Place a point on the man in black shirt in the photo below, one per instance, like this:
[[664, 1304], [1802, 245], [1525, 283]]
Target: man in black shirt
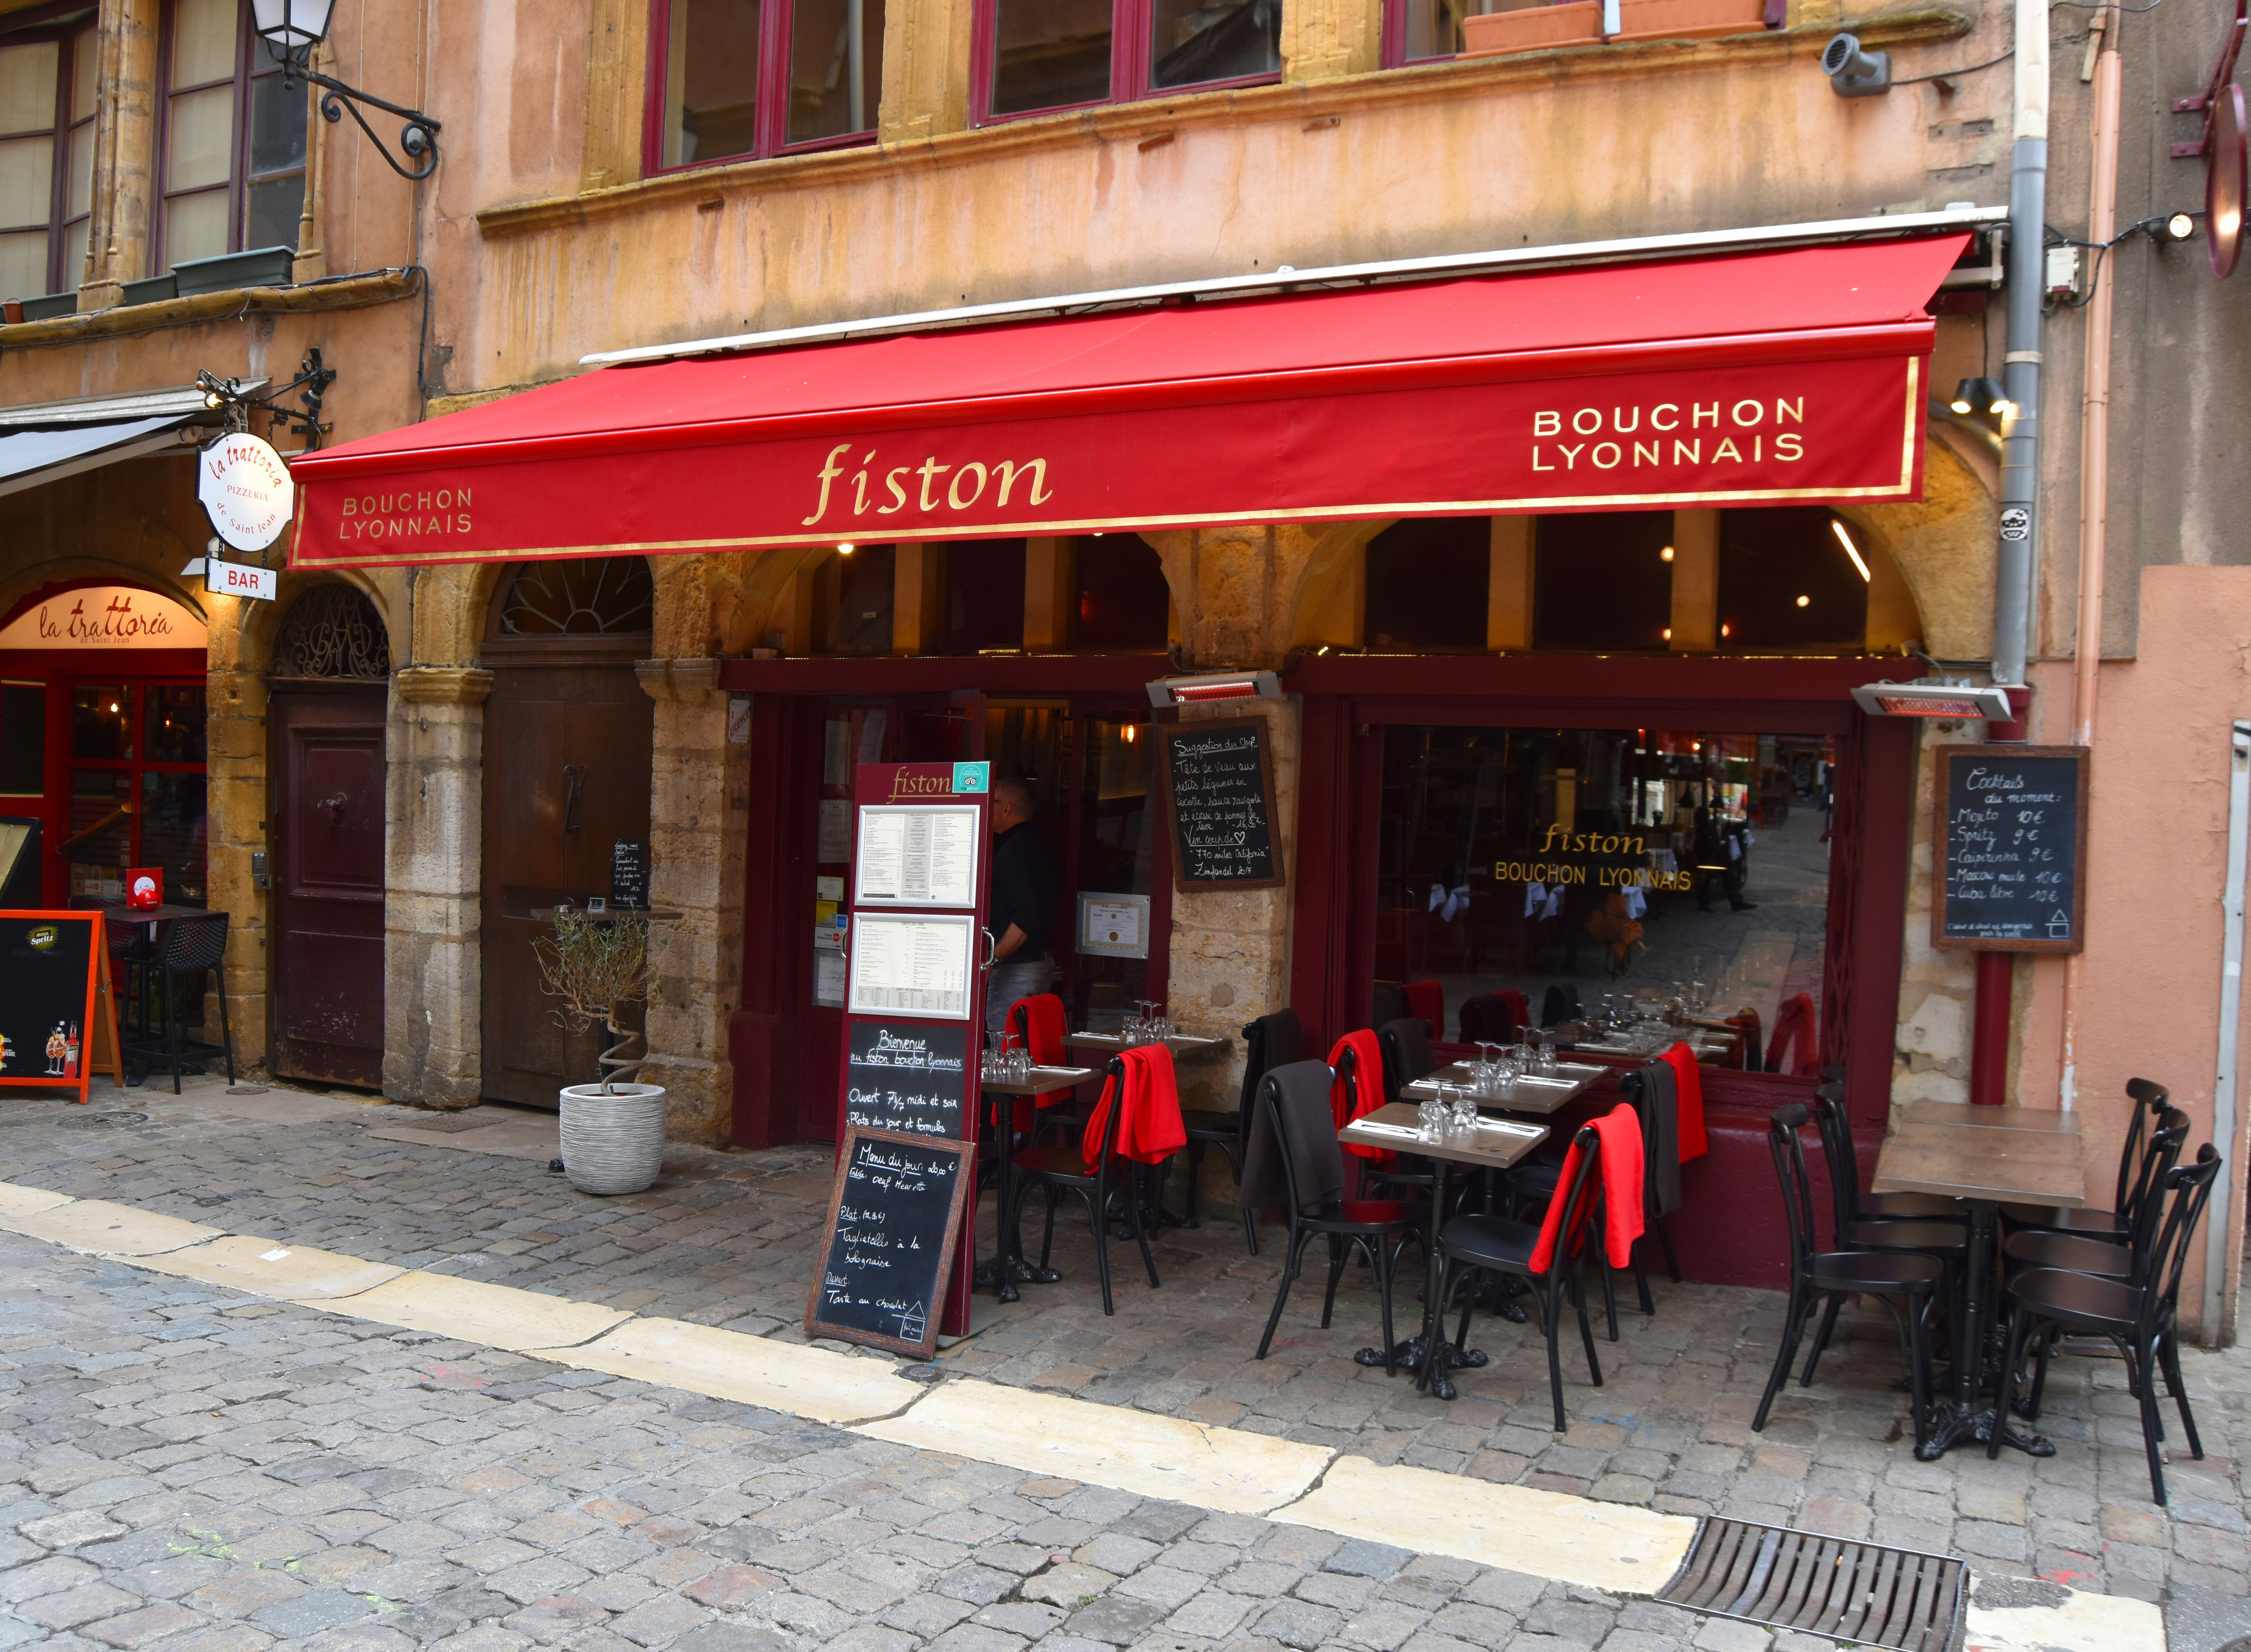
[[1023, 910]]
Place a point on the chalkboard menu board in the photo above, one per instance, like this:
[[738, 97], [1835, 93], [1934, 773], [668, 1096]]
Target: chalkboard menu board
[[905, 1076], [2012, 873], [1219, 787], [629, 872], [890, 1241], [55, 1020]]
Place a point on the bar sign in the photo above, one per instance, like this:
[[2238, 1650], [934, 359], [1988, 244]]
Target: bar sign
[[240, 579]]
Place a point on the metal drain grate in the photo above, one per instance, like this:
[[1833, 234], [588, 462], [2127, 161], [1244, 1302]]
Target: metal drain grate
[[1859, 1592]]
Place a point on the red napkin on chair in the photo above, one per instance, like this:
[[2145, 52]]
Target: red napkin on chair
[[1690, 1085], [1426, 1000], [1150, 1129], [1619, 1165], [1797, 1038], [1362, 1093]]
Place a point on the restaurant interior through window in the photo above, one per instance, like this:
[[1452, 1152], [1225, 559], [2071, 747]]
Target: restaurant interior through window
[[1601, 868]]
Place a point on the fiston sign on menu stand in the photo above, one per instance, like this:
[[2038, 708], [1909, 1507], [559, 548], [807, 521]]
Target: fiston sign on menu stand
[[1219, 790], [895, 1266], [58, 1021], [2011, 849]]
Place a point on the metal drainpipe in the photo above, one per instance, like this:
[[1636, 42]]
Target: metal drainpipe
[[2021, 366]]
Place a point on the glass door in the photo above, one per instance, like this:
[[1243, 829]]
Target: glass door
[[137, 789]]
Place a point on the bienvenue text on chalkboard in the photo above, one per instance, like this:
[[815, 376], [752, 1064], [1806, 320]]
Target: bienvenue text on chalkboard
[[905, 1076]]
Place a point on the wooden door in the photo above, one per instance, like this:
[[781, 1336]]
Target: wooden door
[[328, 882]]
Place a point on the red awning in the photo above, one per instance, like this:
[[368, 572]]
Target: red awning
[[1792, 377]]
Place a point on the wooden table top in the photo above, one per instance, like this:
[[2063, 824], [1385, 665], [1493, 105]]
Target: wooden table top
[[1179, 1043], [2028, 1154], [156, 914], [1537, 1095], [1498, 1144], [1042, 1080]]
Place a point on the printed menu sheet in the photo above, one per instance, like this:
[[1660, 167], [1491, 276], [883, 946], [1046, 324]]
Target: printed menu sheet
[[918, 965], [917, 855]]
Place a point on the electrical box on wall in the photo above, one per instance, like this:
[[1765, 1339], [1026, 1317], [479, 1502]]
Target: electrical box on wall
[[2063, 271], [257, 878]]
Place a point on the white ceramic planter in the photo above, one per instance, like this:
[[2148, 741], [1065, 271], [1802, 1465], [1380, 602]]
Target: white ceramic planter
[[613, 1143]]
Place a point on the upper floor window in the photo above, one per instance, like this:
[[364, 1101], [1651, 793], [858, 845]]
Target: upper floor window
[[1034, 56], [233, 145], [46, 153], [747, 77]]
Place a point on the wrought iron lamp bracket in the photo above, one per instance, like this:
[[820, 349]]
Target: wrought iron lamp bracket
[[417, 138]]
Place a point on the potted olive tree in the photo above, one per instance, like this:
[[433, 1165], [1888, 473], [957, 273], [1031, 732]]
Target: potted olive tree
[[613, 1129]]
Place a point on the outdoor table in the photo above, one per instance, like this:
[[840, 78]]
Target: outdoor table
[[1008, 1269], [1496, 1144], [1538, 1094], [1986, 1157], [145, 918], [1110, 1044]]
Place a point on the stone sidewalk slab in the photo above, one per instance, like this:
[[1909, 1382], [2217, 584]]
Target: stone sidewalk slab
[[816, 1383], [497, 1315], [270, 1268], [101, 1228]]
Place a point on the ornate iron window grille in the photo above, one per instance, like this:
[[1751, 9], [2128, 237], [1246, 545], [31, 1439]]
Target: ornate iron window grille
[[332, 630]]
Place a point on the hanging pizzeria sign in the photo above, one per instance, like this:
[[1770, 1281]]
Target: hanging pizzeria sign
[[245, 489]]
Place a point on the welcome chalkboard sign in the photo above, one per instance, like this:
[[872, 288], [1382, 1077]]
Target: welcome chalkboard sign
[[905, 1076], [2012, 874], [1219, 788], [888, 1246]]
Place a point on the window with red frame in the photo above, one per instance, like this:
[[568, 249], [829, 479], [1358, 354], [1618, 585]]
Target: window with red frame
[[741, 78], [1036, 56], [47, 150], [1416, 31]]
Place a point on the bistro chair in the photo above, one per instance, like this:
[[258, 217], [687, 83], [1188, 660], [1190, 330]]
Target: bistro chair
[[1057, 1170], [2126, 1255], [1489, 1017], [1406, 1046], [1559, 1004], [1844, 1156], [190, 947], [1273, 1040], [2150, 1099], [1293, 1102], [1471, 1246], [1833, 1274], [1389, 1003], [2138, 1319]]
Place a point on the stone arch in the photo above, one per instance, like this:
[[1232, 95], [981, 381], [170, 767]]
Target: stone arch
[[22, 581]]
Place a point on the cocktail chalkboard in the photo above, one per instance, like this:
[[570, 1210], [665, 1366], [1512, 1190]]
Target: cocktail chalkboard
[[629, 872], [2012, 874], [905, 1076], [1219, 788], [888, 1246], [56, 1022]]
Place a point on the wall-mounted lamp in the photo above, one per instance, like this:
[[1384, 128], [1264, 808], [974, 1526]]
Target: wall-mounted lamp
[[1981, 398], [1226, 685], [291, 29], [1855, 72], [2180, 226]]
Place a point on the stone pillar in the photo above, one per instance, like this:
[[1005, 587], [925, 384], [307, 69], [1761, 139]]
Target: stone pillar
[[617, 77], [699, 808], [124, 154], [234, 824], [925, 69], [1938, 991], [1328, 40], [434, 986]]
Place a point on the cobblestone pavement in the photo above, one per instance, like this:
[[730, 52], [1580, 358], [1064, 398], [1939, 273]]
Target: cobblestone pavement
[[184, 1470], [725, 1239]]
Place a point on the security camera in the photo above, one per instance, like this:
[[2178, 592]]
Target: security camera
[[1853, 73]]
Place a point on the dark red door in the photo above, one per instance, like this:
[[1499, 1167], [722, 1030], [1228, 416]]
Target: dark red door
[[328, 884]]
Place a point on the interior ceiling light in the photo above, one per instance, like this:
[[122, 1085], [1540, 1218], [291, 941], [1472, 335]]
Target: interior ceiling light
[[1666, 554], [1805, 601], [1851, 550]]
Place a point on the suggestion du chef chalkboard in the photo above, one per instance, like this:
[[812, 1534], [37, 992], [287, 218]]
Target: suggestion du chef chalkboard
[[1219, 790], [905, 1076], [2011, 849], [888, 1246]]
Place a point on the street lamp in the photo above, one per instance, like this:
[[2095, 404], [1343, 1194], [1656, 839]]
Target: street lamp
[[291, 29]]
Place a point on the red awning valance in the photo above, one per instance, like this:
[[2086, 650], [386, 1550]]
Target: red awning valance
[[1791, 376]]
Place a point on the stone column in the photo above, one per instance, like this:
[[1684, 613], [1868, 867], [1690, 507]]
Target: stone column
[[434, 988], [925, 69], [1327, 39], [124, 153], [699, 808], [234, 826]]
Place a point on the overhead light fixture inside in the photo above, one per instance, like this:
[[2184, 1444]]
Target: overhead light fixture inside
[[1844, 539]]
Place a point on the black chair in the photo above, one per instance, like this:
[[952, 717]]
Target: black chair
[[190, 947], [1559, 1004], [1379, 1228], [1470, 1246], [1388, 1002], [1057, 1170], [2139, 1319], [2124, 1256], [2151, 1100], [1531, 1182], [1844, 1156], [1485, 1018], [1405, 1041], [1817, 1274], [1273, 1040]]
